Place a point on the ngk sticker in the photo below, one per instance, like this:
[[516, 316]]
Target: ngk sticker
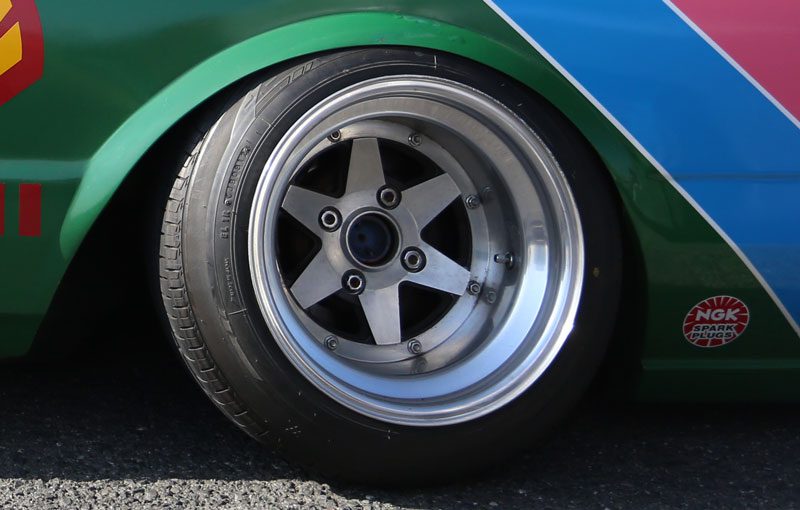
[[716, 321]]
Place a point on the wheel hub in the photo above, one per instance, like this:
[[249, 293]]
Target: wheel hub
[[372, 239]]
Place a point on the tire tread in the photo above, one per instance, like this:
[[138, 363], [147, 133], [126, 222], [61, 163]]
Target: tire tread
[[185, 332]]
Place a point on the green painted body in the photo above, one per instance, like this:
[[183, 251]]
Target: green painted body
[[118, 74]]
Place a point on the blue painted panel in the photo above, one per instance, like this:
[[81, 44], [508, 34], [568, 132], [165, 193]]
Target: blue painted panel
[[726, 144]]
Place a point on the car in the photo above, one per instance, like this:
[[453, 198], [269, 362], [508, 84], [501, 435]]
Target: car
[[396, 240]]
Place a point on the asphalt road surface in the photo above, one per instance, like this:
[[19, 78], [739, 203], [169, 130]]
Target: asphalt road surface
[[106, 429]]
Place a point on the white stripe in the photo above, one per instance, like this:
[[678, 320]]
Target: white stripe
[[652, 161], [733, 63]]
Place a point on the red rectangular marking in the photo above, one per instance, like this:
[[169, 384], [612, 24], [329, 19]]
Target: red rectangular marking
[[2, 208], [30, 210]]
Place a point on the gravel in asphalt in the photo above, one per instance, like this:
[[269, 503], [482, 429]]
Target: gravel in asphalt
[[109, 431]]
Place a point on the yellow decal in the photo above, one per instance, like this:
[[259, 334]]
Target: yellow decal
[[10, 48], [10, 42], [5, 6]]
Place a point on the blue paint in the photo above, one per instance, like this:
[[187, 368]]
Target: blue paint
[[732, 150]]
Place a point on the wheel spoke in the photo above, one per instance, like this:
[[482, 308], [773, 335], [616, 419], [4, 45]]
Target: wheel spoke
[[317, 281], [382, 308], [305, 206], [427, 200], [441, 273], [366, 170]]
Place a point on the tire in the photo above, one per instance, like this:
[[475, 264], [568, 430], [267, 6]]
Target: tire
[[399, 389]]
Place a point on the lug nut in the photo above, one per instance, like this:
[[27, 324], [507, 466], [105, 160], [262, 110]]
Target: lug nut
[[331, 342], [472, 201], [388, 197], [505, 258], [414, 346], [413, 260], [415, 139], [335, 136], [354, 282], [330, 219], [474, 288]]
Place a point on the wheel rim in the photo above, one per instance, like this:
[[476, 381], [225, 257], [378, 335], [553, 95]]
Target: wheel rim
[[487, 184]]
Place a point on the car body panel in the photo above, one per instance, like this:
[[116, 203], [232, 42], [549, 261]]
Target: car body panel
[[716, 133], [117, 75], [725, 141]]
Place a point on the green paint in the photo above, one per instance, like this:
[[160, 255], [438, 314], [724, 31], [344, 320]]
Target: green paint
[[119, 74]]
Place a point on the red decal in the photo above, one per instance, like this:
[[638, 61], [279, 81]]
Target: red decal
[[30, 210], [2, 208], [22, 23], [762, 36], [716, 321]]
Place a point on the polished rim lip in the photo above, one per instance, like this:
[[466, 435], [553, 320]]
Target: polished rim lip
[[566, 223]]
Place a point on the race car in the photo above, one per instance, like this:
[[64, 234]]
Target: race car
[[395, 240]]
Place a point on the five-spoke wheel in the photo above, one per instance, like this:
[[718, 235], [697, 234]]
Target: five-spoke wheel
[[393, 210]]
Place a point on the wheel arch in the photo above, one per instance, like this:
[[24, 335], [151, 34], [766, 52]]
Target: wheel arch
[[119, 154]]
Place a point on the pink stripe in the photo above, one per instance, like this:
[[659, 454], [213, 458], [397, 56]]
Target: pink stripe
[[762, 36]]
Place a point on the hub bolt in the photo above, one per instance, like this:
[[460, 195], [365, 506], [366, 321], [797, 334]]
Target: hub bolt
[[388, 197], [414, 139], [472, 201], [505, 258], [331, 342], [335, 136], [413, 260], [354, 282], [414, 346], [330, 219], [474, 287]]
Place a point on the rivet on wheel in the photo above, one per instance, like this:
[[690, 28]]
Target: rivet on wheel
[[330, 219], [415, 139], [491, 296], [354, 282], [388, 197], [413, 260], [331, 342], [335, 136], [505, 258], [472, 201], [414, 346], [474, 287]]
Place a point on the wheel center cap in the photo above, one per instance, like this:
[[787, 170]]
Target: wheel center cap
[[372, 239]]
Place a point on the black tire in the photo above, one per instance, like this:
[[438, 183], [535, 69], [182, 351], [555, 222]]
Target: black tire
[[222, 337]]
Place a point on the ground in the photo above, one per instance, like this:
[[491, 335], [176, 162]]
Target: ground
[[102, 429]]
